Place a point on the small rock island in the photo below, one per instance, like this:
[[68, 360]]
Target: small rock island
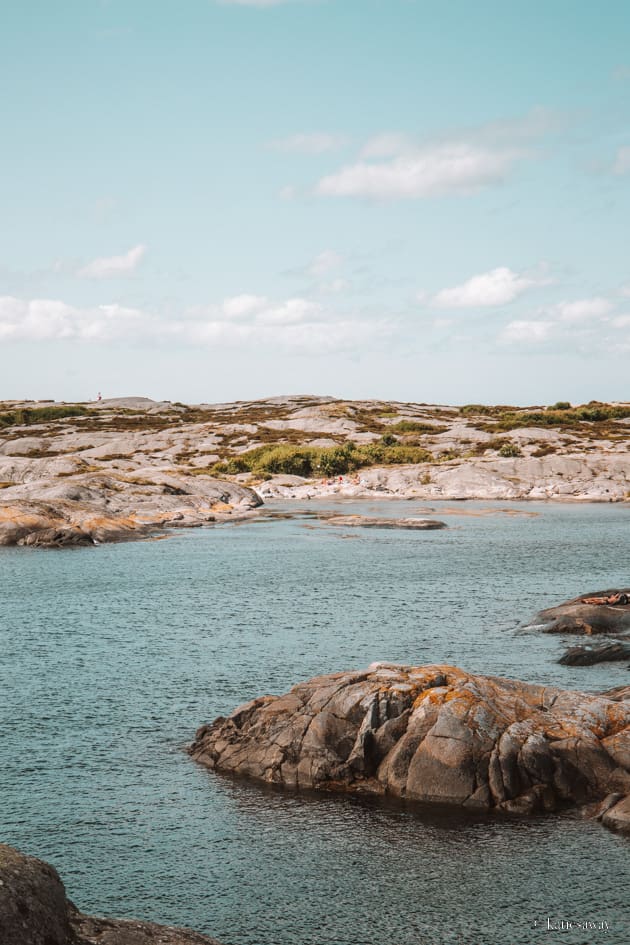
[[597, 612], [434, 734]]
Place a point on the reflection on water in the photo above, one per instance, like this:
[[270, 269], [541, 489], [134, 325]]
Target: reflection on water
[[111, 657]]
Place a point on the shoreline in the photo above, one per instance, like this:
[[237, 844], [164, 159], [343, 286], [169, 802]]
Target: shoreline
[[125, 469], [42, 523]]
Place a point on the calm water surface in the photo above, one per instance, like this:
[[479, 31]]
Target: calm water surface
[[111, 657]]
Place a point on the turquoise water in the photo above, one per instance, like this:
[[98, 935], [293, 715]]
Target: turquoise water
[[112, 656]]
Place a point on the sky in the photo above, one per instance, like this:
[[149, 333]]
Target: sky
[[418, 200]]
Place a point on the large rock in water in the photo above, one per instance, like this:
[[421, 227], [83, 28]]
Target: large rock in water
[[34, 910], [430, 734], [574, 616]]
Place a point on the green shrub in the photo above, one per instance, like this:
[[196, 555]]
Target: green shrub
[[312, 462], [561, 405], [509, 450]]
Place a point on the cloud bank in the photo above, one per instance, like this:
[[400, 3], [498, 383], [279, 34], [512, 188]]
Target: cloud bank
[[297, 324], [583, 325]]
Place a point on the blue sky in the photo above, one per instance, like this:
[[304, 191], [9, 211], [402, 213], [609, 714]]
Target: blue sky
[[406, 199]]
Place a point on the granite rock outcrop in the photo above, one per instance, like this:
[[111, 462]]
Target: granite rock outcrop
[[432, 734]]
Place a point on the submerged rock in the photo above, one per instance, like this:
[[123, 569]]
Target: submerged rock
[[577, 617], [34, 910], [364, 521], [433, 734]]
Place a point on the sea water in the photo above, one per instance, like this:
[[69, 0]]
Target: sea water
[[110, 657]]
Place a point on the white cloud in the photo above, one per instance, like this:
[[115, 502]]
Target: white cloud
[[582, 309], [584, 325], [526, 332], [51, 319], [295, 324], [625, 291], [392, 165], [292, 312], [497, 287], [107, 267], [621, 164], [242, 306], [324, 263], [432, 171], [314, 143]]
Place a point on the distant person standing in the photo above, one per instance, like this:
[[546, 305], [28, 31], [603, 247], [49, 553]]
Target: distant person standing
[[99, 396]]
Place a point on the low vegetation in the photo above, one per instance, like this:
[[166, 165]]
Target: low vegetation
[[508, 450], [310, 461], [25, 416], [571, 417], [416, 426]]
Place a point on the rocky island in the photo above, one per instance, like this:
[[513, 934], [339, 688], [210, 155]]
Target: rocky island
[[434, 734], [122, 468]]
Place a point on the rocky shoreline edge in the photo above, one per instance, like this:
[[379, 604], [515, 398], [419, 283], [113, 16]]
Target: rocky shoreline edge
[[124, 468], [91, 510], [435, 735], [34, 910]]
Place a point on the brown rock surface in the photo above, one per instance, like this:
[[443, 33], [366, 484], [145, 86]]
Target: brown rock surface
[[430, 734], [34, 910], [574, 616]]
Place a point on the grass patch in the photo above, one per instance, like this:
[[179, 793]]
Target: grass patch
[[25, 416], [567, 418], [416, 426]]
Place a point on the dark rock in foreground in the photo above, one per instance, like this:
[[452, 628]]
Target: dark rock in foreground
[[574, 616], [432, 734], [607, 652], [34, 910]]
